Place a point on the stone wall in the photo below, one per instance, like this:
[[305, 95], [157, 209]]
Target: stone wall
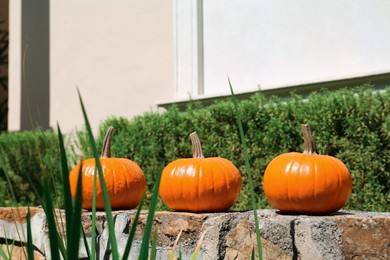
[[230, 235]]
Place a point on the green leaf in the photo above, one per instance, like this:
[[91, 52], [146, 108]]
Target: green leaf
[[129, 243], [11, 250], [89, 256], [248, 169], [3, 254], [198, 245], [49, 211], [149, 223], [30, 246], [107, 206], [74, 230], [172, 255], [153, 250], [93, 233], [65, 184], [10, 186]]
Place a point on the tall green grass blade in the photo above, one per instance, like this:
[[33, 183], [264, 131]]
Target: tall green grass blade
[[89, 256], [129, 243], [107, 206], [49, 211], [7, 176], [247, 166], [74, 231], [172, 255], [43, 165], [94, 150], [149, 223], [93, 234], [10, 251], [3, 254], [45, 173], [30, 246], [66, 186], [180, 253], [153, 250], [199, 244]]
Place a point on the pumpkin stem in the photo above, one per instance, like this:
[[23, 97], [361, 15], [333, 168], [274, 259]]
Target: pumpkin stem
[[106, 149], [308, 141], [196, 146]]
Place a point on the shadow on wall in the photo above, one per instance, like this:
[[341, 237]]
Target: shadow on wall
[[3, 64], [35, 76]]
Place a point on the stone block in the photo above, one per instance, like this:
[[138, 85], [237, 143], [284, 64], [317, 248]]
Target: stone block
[[228, 235]]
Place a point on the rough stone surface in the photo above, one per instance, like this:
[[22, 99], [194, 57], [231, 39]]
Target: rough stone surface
[[20, 252], [230, 235], [365, 236], [17, 215]]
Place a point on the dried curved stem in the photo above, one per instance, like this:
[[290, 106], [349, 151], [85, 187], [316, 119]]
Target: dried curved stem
[[308, 141], [196, 146], [106, 149]]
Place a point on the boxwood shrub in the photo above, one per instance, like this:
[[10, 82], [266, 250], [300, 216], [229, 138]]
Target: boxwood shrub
[[26, 157], [352, 124]]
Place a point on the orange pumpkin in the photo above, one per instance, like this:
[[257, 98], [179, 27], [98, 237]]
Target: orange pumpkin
[[307, 182], [124, 179], [200, 184]]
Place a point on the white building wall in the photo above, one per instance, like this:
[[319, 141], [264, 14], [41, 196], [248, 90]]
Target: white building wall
[[288, 42]]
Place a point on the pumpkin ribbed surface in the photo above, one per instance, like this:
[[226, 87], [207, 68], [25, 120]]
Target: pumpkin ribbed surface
[[296, 182], [307, 182], [200, 184], [124, 179]]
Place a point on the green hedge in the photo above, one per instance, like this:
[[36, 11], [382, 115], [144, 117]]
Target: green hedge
[[350, 124], [28, 155]]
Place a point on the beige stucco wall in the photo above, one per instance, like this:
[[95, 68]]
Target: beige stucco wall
[[119, 54]]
